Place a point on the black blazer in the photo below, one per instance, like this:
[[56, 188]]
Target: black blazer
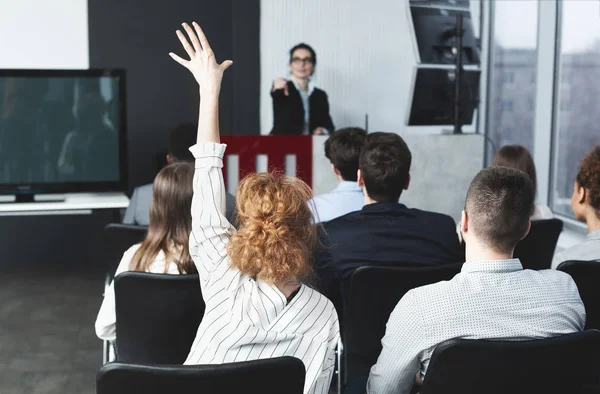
[[383, 234], [288, 112]]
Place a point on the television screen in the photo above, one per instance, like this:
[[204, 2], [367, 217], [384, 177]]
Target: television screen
[[62, 131], [434, 97]]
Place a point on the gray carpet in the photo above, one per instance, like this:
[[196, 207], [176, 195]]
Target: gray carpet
[[47, 340]]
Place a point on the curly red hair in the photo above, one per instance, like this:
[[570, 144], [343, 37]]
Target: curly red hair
[[589, 177], [276, 235]]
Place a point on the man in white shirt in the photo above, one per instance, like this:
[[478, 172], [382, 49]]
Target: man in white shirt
[[492, 297], [342, 149]]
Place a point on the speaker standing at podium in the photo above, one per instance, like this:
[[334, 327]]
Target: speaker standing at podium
[[298, 106]]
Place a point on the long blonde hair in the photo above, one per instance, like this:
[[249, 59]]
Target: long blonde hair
[[170, 220], [276, 235]]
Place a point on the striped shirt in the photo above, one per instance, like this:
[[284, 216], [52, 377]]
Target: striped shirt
[[245, 318], [493, 299]]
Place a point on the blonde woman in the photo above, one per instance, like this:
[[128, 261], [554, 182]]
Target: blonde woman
[[165, 249], [252, 280]]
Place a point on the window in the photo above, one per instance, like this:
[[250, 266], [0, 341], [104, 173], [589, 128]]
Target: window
[[577, 122], [512, 74]]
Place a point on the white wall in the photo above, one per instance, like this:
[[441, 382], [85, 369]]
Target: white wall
[[364, 53], [44, 34]]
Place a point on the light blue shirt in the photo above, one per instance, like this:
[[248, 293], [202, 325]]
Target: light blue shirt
[[345, 198], [305, 96]]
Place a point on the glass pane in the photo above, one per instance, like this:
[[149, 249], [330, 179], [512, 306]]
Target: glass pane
[[512, 73], [576, 109]]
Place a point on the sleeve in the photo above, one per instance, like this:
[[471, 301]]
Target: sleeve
[[130, 212], [106, 320], [210, 229], [399, 361], [281, 112], [323, 381]]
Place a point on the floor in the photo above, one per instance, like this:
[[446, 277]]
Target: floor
[[47, 340]]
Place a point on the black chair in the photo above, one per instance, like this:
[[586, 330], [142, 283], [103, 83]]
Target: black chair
[[586, 275], [267, 376], [372, 296], [157, 316], [118, 238], [562, 365], [537, 249]]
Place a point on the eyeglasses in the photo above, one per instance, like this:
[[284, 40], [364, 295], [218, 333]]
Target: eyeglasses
[[302, 60]]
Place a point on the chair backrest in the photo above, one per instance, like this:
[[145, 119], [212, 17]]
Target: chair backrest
[[118, 238], [372, 296], [586, 275], [560, 365], [267, 376], [157, 316], [537, 249]]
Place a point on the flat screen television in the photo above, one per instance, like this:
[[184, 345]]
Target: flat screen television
[[62, 131], [434, 97]]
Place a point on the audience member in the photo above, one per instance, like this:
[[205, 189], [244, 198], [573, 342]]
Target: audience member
[[166, 246], [180, 140], [256, 304], [492, 297], [516, 156], [586, 206], [384, 232], [343, 150]]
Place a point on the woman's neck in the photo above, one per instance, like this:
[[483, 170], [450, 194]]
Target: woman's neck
[[302, 82], [592, 221], [288, 286]]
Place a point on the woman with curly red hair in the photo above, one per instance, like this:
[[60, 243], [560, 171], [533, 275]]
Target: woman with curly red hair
[[256, 304], [586, 206]]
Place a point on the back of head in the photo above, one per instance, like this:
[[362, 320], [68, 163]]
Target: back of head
[[588, 177], [516, 156], [180, 140], [170, 219], [499, 203], [385, 166], [343, 150], [276, 235]]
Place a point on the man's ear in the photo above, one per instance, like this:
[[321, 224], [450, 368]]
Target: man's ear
[[359, 177], [335, 170], [527, 231], [464, 222], [407, 182], [170, 158]]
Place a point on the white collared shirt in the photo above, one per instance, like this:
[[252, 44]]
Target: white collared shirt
[[246, 318], [486, 300], [345, 198]]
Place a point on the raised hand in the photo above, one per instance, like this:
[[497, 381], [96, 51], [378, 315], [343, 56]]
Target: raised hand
[[202, 64], [280, 83]]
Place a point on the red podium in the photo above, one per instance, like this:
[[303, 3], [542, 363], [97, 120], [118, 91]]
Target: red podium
[[275, 147]]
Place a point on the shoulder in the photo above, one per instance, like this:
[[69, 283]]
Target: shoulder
[[126, 259], [144, 189], [319, 94], [342, 221], [434, 217]]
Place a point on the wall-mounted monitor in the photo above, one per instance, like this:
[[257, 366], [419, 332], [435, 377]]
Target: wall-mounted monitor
[[62, 131], [434, 97]]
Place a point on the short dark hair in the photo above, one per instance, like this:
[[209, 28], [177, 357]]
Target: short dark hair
[[385, 165], [180, 140], [588, 177], [499, 203], [302, 45], [516, 156], [343, 149]]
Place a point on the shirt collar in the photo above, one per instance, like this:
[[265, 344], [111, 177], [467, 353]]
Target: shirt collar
[[594, 234], [348, 186], [311, 87], [492, 266], [384, 206]]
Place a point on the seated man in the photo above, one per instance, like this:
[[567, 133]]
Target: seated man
[[180, 140], [384, 232], [492, 297], [342, 149]]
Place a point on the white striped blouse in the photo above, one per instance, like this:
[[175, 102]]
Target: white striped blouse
[[245, 318]]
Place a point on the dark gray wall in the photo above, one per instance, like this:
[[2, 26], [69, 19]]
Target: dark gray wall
[[160, 93]]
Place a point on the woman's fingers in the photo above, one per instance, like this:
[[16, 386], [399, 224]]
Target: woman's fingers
[[193, 37], [202, 37], [179, 60], [225, 65], [186, 45]]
